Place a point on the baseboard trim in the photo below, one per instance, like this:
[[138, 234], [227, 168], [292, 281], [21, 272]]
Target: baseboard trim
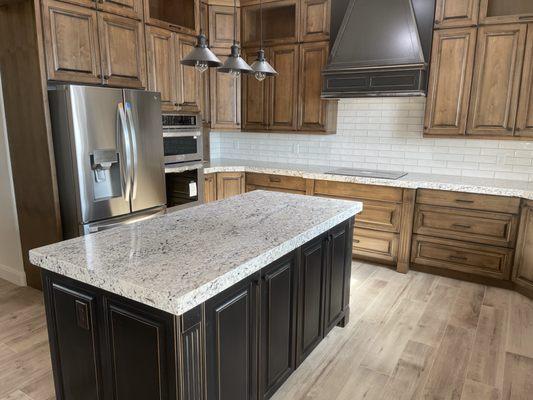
[[11, 275]]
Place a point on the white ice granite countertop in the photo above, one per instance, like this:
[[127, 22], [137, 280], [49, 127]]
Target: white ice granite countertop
[[179, 260], [411, 181]]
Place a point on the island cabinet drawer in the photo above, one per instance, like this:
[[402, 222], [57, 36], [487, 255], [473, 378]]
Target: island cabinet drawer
[[510, 205], [292, 183], [489, 261], [357, 191], [468, 225], [375, 246]]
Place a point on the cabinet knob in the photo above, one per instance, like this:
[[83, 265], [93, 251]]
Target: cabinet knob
[[106, 77]]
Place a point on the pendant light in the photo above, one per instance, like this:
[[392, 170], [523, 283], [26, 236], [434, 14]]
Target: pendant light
[[234, 64], [201, 57], [261, 67]]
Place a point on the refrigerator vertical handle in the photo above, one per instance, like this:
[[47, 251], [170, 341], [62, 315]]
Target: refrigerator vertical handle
[[125, 139], [135, 149]]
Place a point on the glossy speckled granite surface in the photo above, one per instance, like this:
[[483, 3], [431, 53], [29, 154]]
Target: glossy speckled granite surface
[[179, 260], [410, 181]]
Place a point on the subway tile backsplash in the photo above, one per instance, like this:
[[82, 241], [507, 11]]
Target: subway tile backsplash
[[382, 133]]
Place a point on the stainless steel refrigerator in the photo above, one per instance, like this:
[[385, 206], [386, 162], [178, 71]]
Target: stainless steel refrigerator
[[109, 156]]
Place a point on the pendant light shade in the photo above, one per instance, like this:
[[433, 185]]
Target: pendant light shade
[[201, 57], [235, 65], [261, 67]]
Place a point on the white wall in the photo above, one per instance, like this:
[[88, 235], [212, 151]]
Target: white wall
[[11, 266], [383, 133]]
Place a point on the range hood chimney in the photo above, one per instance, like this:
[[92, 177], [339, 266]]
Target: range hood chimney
[[379, 48]]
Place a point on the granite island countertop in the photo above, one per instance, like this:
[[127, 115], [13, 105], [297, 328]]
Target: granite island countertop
[[500, 187], [179, 260]]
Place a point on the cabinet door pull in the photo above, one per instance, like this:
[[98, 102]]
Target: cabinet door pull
[[464, 201], [82, 315], [525, 17], [356, 241], [274, 179], [461, 226], [106, 77]]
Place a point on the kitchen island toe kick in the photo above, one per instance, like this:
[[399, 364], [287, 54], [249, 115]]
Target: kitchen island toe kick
[[220, 301]]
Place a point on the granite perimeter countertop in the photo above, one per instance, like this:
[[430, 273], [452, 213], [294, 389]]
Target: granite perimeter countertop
[[452, 183], [179, 260]]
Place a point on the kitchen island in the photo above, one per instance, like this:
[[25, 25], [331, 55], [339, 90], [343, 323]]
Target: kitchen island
[[221, 301]]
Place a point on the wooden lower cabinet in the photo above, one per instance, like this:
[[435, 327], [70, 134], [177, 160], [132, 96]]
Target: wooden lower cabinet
[[288, 184], [210, 188], [231, 342], [376, 246], [523, 267], [229, 184]]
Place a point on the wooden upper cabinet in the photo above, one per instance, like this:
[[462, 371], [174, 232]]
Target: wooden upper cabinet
[[255, 96], [177, 15], [122, 50], [225, 98], [188, 79], [125, 8], [316, 16], [497, 75], [221, 20], [456, 13], [524, 123], [67, 59], [161, 64], [281, 23], [505, 11], [205, 93], [284, 88], [452, 64], [312, 110]]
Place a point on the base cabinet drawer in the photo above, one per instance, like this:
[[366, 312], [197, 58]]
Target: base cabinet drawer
[[471, 226], [469, 201], [489, 261], [276, 181], [251, 188], [380, 216], [375, 246]]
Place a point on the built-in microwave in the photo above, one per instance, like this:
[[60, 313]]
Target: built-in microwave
[[182, 138]]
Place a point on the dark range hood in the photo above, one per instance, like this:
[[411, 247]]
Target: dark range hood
[[379, 48]]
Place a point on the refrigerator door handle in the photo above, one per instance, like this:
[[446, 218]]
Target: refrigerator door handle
[[135, 149], [126, 147]]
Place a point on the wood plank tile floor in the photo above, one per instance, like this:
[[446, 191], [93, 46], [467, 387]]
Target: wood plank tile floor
[[414, 336]]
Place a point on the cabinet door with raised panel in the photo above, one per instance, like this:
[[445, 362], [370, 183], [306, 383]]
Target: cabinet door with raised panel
[[210, 188], [456, 13], [188, 79], [523, 268], [284, 88], [221, 19], [503, 11], [497, 74], [67, 59], [450, 80], [524, 123], [205, 93], [124, 8], [161, 65], [315, 20], [254, 96], [229, 184], [123, 52], [225, 99], [312, 110]]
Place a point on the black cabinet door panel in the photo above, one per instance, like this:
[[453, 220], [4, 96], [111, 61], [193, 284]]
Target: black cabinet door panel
[[278, 304], [231, 340]]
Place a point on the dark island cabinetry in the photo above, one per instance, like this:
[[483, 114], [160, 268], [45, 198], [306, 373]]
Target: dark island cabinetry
[[241, 344]]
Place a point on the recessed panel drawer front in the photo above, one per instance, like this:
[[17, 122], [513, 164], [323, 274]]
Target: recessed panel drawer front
[[276, 181], [379, 216], [471, 226], [373, 245], [469, 201], [358, 191], [464, 257]]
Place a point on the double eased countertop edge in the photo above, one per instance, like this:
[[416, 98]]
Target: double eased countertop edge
[[179, 260], [498, 187]]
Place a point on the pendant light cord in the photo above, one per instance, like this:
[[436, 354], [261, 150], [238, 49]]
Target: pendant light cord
[[234, 22], [261, 23]]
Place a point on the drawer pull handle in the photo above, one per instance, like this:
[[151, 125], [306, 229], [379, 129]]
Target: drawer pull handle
[[464, 201], [458, 258], [82, 315], [356, 241], [462, 226], [525, 17], [274, 179]]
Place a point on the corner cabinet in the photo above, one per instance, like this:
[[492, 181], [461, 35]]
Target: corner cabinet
[[241, 344]]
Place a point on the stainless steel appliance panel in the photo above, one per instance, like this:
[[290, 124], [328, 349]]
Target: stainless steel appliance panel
[[97, 132], [143, 110]]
